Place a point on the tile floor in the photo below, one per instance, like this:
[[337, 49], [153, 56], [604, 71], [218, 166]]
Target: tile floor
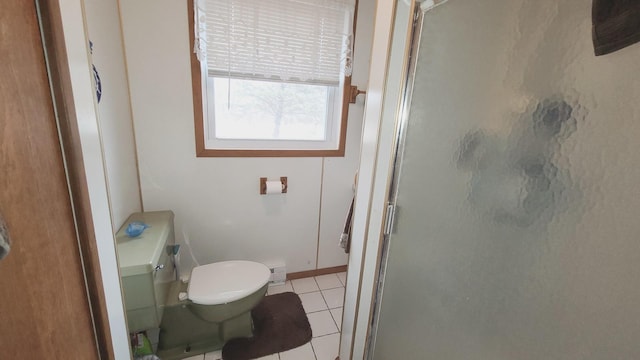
[[322, 298]]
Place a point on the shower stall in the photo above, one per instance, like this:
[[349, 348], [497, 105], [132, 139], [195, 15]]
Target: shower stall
[[504, 202]]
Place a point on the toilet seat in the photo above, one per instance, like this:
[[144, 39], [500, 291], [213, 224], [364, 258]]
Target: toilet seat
[[226, 281]]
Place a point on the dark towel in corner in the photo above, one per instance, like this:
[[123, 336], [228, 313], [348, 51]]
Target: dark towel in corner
[[616, 24]]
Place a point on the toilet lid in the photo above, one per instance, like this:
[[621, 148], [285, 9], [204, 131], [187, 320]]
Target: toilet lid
[[226, 281]]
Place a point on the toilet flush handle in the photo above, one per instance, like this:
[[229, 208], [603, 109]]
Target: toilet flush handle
[[159, 267]]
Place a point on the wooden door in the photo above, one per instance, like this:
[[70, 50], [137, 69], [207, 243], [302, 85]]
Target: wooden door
[[44, 307]]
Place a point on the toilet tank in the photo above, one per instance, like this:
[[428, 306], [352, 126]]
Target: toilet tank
[[146, 268]]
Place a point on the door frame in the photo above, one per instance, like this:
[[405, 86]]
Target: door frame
[[387, 74], [63, 28], [410, 19]]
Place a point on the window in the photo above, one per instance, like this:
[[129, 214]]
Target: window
[[269, 76]]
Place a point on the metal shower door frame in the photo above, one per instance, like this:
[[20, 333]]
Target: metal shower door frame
[[403, 111]]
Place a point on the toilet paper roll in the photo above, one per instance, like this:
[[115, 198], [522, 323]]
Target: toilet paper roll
[[274, 187]]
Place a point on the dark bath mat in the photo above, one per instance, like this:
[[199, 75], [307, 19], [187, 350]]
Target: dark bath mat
[[280, 324]]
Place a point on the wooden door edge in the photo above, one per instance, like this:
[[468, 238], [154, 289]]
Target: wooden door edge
[[60, 82]]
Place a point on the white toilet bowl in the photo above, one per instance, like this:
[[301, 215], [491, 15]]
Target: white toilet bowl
[[223, 290]]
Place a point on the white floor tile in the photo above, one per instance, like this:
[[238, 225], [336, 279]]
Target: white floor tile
[[214, 355], [301, 286], [270, 357], [312, 302], [343, 278], [322, 323], [278, 289], [334, 297], [326, 347], [304, 352], [329, 281], [195, 357], [337, 316]]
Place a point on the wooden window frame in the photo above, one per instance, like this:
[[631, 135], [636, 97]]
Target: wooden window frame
[[198, 72]]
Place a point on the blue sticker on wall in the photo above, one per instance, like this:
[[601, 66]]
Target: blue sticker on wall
[[96, 76]]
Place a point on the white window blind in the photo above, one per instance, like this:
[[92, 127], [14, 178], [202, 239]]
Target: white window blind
[[305, 41]]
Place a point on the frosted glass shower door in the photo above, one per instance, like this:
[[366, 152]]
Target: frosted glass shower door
[[517, 228]]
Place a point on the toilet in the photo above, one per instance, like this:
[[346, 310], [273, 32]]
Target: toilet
[[211, 308], [193, 316], [217, 308]]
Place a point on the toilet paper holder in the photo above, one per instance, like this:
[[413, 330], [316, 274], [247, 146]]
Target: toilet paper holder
[[263, 185]]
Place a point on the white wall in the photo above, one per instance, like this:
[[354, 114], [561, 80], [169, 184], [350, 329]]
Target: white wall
[[338, 179], [114, 109], [216, 200]]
